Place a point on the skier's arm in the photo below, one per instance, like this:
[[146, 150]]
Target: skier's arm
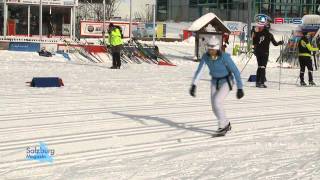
[[199, 71], [109, 38], [309, 46], [234, 69], [274, 42], [254, 39]]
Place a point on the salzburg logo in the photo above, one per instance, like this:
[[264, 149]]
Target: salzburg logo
[[40, 153]]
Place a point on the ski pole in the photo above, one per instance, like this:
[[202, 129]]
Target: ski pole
[[250, 56], [281, 59], [315, 61]]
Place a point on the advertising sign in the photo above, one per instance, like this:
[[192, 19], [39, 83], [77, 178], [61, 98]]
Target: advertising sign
[[94, 29], [45, 2], [24, 46], [280, 20], [65, 29], [235, 27]]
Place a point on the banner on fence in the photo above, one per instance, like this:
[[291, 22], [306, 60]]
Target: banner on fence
[[24, 46], [94, 29]]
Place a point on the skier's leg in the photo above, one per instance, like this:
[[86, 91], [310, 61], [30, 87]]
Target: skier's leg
[[258, 75], [117, 59], [310, 70], [118, 56], [302, 68], [217, 101], [113, 52], [264, 61], [213, 96]]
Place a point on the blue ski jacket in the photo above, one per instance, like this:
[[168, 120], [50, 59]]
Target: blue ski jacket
[[220, 68]]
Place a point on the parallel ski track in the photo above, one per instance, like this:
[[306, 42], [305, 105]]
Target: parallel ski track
[[164, 145], [76, 112]]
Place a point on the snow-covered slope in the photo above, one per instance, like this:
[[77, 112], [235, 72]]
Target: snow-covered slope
[[140, 123]]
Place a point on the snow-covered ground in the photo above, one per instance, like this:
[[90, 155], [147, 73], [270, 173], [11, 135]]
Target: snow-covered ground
[[140, 122]]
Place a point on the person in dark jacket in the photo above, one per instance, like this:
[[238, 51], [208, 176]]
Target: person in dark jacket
[[305, 49], [261, 42]]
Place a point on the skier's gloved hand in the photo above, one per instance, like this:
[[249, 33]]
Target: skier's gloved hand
[[193, 90], [240, 93], [281, 42]]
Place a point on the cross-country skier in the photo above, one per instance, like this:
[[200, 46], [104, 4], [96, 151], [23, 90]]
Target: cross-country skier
[[305, 49], [261, 42], [115, 41], [222, 70], [50, 26]]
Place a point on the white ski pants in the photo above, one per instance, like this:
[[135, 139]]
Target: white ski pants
[[217, 101]]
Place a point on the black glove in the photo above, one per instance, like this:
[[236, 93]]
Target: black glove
[[280, 42], [240, 93], [193, 90]]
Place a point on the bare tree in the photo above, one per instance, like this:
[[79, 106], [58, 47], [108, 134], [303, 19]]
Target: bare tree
[[111, 8], [95, 10], [98, 10], [144, 15], [149, 12], [139, 16]]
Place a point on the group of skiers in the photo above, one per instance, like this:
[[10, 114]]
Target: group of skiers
[[261, 42], [223, 71]]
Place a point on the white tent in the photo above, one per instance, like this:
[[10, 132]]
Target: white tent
[[311, 19]]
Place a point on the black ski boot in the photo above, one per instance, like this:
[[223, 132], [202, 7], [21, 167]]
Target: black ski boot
[[223, 131], [262, 86], [113, 67], [258, 84], [311, 83], [302, 83]]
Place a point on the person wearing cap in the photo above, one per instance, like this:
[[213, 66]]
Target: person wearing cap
[[261, 42], [115, 42], [305, 49], [222, 70]]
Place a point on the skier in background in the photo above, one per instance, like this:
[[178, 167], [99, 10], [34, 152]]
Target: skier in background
[[222, 70], [261, 42], [50, 26], [116, 42], [305, 49], [225, 40]]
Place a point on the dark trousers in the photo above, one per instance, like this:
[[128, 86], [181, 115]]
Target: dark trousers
[[116, 59], [305, 61], [262, 60]]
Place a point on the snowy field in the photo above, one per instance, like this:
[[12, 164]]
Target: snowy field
[[140, 122]]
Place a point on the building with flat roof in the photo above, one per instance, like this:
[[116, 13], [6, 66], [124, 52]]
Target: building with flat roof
[[233, 10]]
